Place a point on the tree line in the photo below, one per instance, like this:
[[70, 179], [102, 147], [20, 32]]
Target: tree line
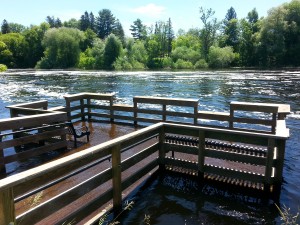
[[98, 42]]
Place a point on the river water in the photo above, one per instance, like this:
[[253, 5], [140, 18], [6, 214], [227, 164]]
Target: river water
[[215, 89]]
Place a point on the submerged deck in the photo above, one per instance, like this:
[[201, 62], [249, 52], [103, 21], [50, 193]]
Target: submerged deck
[[80, 182]]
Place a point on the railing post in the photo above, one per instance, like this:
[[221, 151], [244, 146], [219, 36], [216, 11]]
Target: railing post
[[196, 115], [2, 164], [231, 119], [162, 153], [7, 207], [82, 109], [164, 116], [201, 154], [89, 108], [135, 108], [279, 160], [269, 163], [111, 102], [68, 109], [116, 180]]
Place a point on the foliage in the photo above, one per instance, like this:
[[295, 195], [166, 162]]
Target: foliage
[[6, 56], [17, 50], [201, 64], [105, 23], [209, 31], [112, 51], [220, 57], [3, 67], [138, 30], [5, 27], [62, 48], [182, 64], [287, 217]]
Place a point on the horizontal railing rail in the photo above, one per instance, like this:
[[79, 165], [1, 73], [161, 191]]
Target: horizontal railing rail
[[193, 141]]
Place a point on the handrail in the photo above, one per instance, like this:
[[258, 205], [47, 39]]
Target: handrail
[[21, 183]]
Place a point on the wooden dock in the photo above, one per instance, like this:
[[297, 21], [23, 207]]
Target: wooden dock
[[78, 186]]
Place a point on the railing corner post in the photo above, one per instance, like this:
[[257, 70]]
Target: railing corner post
[[7, 207], [116, 179], [162, 153], [201, 155]]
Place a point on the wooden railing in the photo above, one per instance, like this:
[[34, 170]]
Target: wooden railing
[[32, 128], [122, 173], [87, 107]]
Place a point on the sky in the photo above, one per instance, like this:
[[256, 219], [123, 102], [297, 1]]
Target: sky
[[184, 14]]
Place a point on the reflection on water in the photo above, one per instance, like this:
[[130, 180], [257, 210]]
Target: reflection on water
[[214, 89]]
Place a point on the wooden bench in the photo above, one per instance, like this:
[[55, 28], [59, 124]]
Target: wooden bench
[[78, 132]]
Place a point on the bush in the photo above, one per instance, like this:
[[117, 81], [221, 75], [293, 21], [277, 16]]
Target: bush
[[3, 67], [181, 64], [86, 62], [220, 57], [201, 64]]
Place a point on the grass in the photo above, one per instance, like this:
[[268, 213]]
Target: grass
[[287, 217]]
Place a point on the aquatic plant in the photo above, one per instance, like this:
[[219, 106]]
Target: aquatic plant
[[287, 216]]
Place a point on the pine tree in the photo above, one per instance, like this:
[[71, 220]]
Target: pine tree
[[105, 23], [5, 27]]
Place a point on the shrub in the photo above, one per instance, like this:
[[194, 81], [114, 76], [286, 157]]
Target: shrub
[[220, 57], [181, 64], [201, 64], [3, 67]]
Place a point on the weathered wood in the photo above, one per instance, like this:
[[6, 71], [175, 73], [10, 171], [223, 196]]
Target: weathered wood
[[34, 105], [181, 163], [279, 160], [139, 174], [166, 101], [260, 107], [32, 138], [236, 157], [131, 161], [179, 148], [45, 209], [35, 151], [232, 173], [116, 178], [269, 161], [201, 154], [7, 207]]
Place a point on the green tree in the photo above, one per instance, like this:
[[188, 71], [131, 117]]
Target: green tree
[[5, 29], [54, 22], [231, 30], [16, 28], [119, 31], [138, 30], [34, 36], [220, 57], [209, 30], [112, 51], [105, 23], [6, 56], [170, 37], [62, 48], [71, 23], [18, 46]]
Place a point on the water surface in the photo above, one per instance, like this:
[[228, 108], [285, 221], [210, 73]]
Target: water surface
[[214, 89]]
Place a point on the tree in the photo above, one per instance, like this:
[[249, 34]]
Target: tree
[[119, 31], [231, 30], [170, 36], [16, 28], [62, 48], [34, 37], [138, 30], [112, 51], [72, 23], [18, 46], [6, 56], [220, 57], [208, 33], [85, 21], [105, 23], [54, 22], [231, 14], [5, 29]]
